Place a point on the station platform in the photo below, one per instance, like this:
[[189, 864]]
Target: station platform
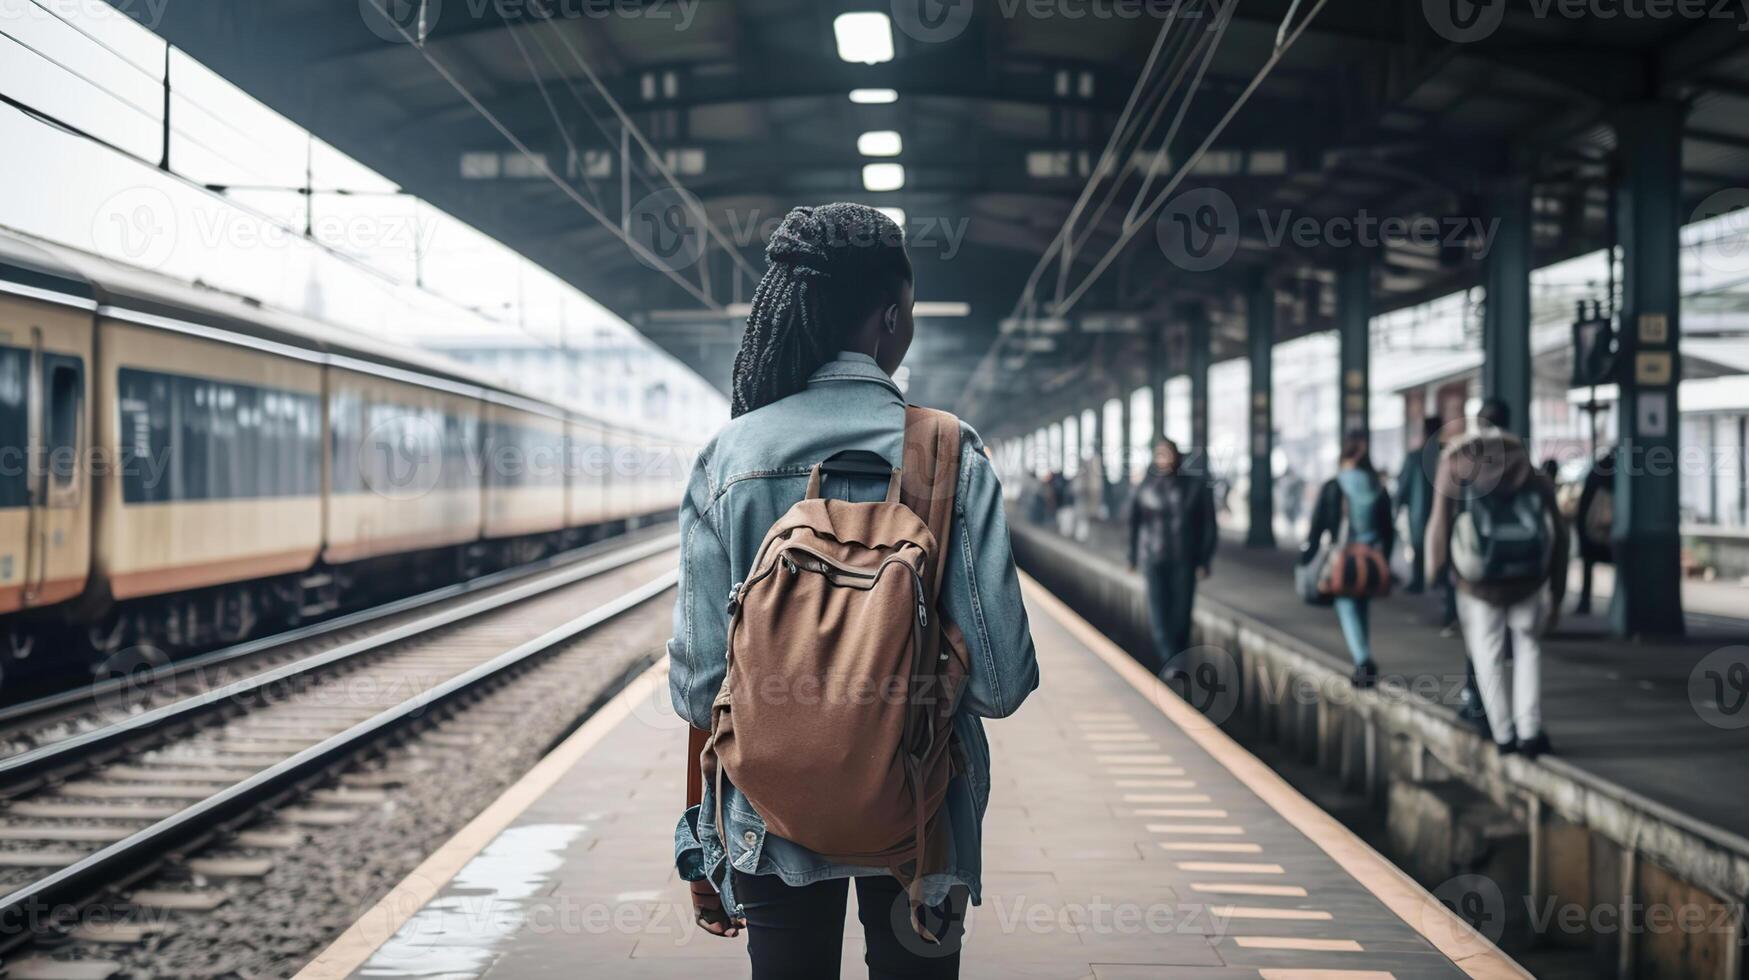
[[1632, 714], [1127, 837]]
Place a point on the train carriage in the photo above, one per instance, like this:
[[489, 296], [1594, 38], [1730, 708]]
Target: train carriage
[[45, 435], [524, 468], [181, 467], [404, 467]]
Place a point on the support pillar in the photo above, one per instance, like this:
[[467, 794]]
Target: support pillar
[[1197, 366], [1260, 343], [1125, 425], [1157, 385], [1100, 435], [1506, 368], [1353, 328], [1648, 593]]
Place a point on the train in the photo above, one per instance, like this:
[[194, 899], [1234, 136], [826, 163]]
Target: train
[[182, 467]]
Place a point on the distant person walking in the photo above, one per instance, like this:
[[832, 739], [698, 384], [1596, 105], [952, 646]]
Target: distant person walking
[[1497, 525], [1089, 497], [1172, 542], [1594, 523], [1415, 499], [1355, 499]]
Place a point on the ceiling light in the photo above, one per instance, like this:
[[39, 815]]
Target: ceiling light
[[874, 96], [941, 308], [883, 176], [879, 143], [865, 37]]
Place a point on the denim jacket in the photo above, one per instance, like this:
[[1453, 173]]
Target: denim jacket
[[743, 481]]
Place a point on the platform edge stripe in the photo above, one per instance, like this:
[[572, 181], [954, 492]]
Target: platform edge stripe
[[1466, 948], [353, 947]]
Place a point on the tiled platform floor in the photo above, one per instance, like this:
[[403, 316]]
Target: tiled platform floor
[[1118, 846]]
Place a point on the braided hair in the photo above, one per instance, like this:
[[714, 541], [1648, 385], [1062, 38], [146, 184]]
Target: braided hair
[[829, 266]]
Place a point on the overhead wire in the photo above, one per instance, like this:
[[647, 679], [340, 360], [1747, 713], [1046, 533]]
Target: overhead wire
[[538, 161]]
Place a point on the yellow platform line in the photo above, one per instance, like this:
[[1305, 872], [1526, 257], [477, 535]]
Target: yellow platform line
[[1212, 846], [1298, 945], [1247, 888], [1232, 867], [1456, 939], [1260, 912]]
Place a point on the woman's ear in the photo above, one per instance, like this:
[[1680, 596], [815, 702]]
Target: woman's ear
[[892, 319]]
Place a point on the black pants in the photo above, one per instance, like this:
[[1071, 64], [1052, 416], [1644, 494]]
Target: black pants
[[798, 933], [1171, 595]]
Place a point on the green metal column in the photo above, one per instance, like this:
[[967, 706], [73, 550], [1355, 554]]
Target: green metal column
[[1196, 328], [1157, 383], [1648, 593], [1506, 367], [1260, 343], [1353, 328], [1125, 425]]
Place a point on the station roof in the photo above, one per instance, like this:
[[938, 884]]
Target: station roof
[[1379, 107]]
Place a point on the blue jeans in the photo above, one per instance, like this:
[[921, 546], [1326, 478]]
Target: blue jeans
[[1171, 594], [1351, 613]]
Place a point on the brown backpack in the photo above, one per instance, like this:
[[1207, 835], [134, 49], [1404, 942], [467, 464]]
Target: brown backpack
[[835, 715]]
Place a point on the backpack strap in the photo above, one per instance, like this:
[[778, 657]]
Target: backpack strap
[[931, 476], [929, 480]]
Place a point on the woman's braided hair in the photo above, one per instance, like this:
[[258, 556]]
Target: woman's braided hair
[[830, 266]]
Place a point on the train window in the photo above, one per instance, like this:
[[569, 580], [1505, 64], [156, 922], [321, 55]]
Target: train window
[[187, 438], [14, 426], [66, 400]]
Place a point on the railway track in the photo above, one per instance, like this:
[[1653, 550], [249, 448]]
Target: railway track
[[142, 683], [89, 815]]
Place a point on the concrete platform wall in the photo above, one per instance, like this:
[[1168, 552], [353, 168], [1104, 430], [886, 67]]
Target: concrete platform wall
[[1538, 854]]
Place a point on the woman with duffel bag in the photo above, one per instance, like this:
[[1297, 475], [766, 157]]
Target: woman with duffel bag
[[1354, 512]]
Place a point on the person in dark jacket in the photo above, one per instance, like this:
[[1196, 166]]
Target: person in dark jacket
[[1172, 542], [1591, 525], [1356, 489], [1415, 495]]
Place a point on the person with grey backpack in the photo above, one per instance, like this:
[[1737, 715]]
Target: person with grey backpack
[[1496, 524]]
